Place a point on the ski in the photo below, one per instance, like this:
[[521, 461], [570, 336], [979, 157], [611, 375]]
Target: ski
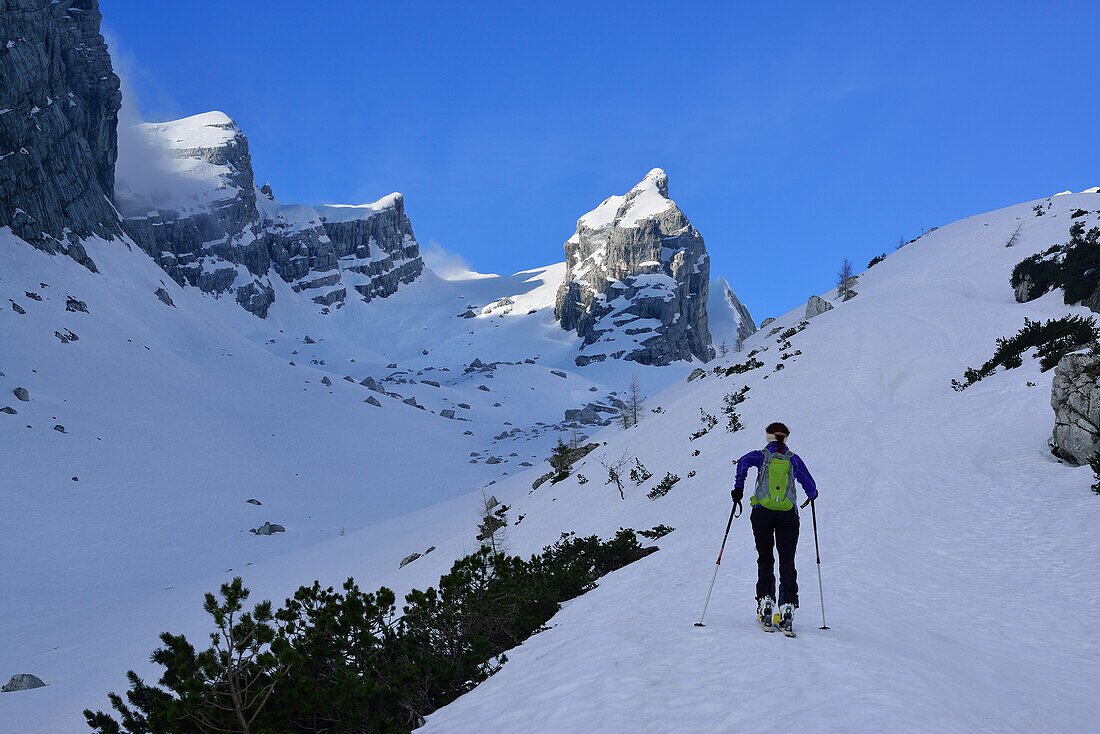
[[786, 630]]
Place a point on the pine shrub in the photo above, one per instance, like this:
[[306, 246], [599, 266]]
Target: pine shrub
[[665, 485], [343, 660], [1073, 267], [1051, 340]]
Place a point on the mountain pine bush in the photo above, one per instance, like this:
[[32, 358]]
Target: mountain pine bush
[[345, 661], [1051, 340], [1073, 267]]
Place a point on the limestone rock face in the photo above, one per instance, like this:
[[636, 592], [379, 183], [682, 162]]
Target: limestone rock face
[[59, 103], [637, 278], [216, 230], [1075, 397]]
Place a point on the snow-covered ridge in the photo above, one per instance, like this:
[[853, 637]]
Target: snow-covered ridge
[[212, 129], [348, 212], [646, 200]]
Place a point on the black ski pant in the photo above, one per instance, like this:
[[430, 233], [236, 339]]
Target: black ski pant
[[778, 527]]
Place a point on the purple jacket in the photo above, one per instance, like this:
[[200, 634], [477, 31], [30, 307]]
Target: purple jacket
[[756, 458]]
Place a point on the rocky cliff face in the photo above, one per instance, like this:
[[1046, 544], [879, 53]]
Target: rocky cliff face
[[59, 102], [209, 226], [1075, 397], [636, 283]]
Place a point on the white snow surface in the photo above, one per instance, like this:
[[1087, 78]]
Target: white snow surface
[[206, 130], [956, 552], [642, 202], [350, 212]]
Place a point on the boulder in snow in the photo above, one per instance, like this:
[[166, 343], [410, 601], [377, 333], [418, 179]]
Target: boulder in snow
[[1075, 397], [23, 682], [71, 304], [817, 306], [268, 528], [164, 297], [22, 394]]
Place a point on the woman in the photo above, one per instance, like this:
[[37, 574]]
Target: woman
[[775, 522]]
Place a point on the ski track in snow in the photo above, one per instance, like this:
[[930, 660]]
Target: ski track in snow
[[954, 548]]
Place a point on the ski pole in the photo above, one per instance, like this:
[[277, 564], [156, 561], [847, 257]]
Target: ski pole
[[733, 513], [820, 591]]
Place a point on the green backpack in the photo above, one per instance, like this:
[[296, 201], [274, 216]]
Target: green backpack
[[774, 481]]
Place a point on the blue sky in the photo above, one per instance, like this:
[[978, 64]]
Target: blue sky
[[799, 133]]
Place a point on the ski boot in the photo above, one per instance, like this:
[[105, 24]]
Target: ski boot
[[764, 608], [784, 620]]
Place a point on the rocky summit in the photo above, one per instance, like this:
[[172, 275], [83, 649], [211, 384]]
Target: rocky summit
[[211, 227], [636, 283]]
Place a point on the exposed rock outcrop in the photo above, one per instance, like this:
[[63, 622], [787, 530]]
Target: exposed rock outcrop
[[637, 278], [219, 232], [59, 103], [22, 682], [817, 306], [1075, 397]]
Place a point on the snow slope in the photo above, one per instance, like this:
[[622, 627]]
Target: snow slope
[[953, 544], [950, 537]]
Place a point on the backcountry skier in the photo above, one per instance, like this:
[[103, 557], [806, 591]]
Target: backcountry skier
[[774, 520]]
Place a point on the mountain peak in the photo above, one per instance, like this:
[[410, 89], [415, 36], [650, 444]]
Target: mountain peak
[[647, 199]]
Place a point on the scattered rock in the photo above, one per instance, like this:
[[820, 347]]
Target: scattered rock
[[22, 394], [464, 405], [765, 322], [412, 401], [494, 460], [309, 340], [592, 389], [433, 383], [559, 373], [373, 401], [164, 297], [32, 295], [253, 501], [59, 428], [267, 529], [697, 373], [429, 550], [23, 682], [817, 306], [483, 387], [71, 304], [391, 366], [326, 381], [408, 559], [447, 413], [587, 415], [467, 433], [9, 410], [16, 307]]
